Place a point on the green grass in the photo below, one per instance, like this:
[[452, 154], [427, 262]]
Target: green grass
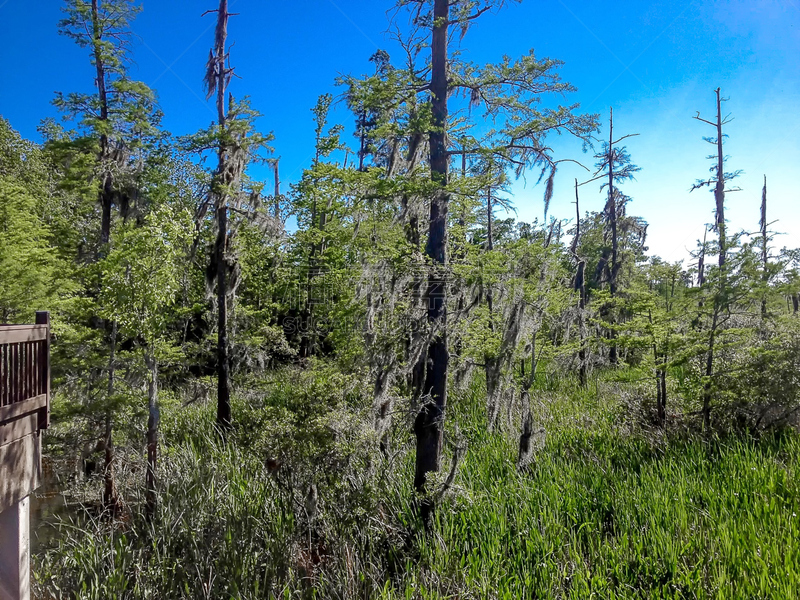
[[601, 512]]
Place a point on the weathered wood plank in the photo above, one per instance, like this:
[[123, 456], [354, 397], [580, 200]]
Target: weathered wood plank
[[21, 465], [14, 411], [18, 428], [19, 334]]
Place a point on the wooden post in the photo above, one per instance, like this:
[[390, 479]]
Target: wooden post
[[43, 364], [15, 555]]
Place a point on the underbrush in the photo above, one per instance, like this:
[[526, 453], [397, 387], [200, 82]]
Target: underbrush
[[299, 503]]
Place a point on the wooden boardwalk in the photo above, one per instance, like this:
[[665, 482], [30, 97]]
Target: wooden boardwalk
[[24, 413]]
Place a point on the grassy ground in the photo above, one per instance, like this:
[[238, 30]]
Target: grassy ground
[[300, 504]]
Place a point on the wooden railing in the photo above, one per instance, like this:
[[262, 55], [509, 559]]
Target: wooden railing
[[24, 412], [25, 371]]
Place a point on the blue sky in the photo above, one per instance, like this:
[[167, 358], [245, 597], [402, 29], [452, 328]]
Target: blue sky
[[656, 63]]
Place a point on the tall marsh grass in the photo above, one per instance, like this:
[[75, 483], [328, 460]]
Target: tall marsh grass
[[300, 504]]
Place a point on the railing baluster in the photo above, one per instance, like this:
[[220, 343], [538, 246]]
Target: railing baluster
[[25, 369], [17, 371], [35, 370], [26, 392], [31, 389], [18, 391], [13, 386]]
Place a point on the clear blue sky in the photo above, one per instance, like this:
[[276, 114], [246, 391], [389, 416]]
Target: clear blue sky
[[655, 62]]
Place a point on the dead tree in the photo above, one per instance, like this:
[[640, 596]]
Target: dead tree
[[615, 167], [718, 180], [764, 253], [580, 287], [276, 208], [218, 75], [701, 262], [428, 425]]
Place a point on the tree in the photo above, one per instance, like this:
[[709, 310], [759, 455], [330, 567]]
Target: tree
[[30, 267], [318, 191], [141, 281], [122, 115], [614, 167], [764, 248], [718, 180], [580, 288], [719, 177], [115, 125], [237, 145], [509, 92]]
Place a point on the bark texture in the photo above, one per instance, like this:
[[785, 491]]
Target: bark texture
[[429, 420]]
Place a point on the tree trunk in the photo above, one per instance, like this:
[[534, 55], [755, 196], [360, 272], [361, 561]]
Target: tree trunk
[[152, 435], [106, 196], [701, 263], [277, 206], [719, 190], [224, 417], [707, 390], [429, 421], [362, 135], [765, 272], [492, 365], [524, 450], [719, 197], [663, 387], [492, 369], [580, 285], [612, 214], [110, 496], [657, 380]]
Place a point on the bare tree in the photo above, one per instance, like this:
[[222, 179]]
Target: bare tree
[[580, 287], [428, 425], [764, 248], [218, 75], [276, 207], [718, 181], [237, 145], [615, 167]]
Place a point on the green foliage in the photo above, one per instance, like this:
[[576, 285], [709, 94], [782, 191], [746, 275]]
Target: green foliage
[[130, 115], [141, 275], [602, 510], [28, 265], [32, 272]]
